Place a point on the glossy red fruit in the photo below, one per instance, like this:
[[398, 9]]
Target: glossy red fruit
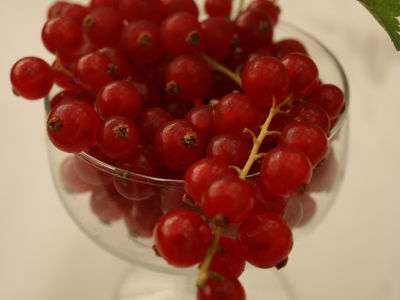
[[75, 12], [56, 9], [229, 260], [221, 289], [218, 8], [61, 35], [173, 6], [202, 173], [70, 179], [264, 78], [254, 28], [202, 118], [312, 114], [118, 138], [309, 139], [73, 127], [302, 72], [287, 46], [178, 145], [234, 113], [119, 98], [102, 27], [31, 78], [188, 77], [120, 62], [266, 239], [152, 120], [181, 33], [268, 8], [101, 3], [284, 171], [330, 98], [134, 10], [182, 238], [230, 197], [231, 149], [69, 96], [219, 37]]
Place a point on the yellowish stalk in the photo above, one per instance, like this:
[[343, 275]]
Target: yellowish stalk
[[216, 66]]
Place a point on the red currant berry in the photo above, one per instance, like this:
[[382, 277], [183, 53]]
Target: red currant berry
[[120, 63], [55, 10], [221, 289], [231, 149], [309, 139], [31, 78], [218, 8], [134, 10], [101, 3], [118, 138], [75, 12], [287, 46], [267, 7], [219, 37], [181, 33], [182, 238], [254, 29], [330, 98], [119, 98], [102, 27], [234, 113], [202, 118], [266, 239], [173, 6], [178, 145], [188, 77], [229, 260], [61, 34], [230, 197], [73, 127], [312, 114], [264, 78], [152, 120], [284, 171], [70, 179], [202, 173], [141, 40], [302, 72]]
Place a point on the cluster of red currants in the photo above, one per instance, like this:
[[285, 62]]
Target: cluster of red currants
[[149, 88]]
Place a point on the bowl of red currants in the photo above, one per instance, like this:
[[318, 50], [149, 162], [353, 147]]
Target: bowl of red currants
[[195, 141]]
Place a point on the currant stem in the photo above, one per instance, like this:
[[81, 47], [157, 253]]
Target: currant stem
[[58, 66], [212, 250], [216, 66]]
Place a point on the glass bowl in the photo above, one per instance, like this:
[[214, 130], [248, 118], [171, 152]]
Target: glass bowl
[[101, 212]]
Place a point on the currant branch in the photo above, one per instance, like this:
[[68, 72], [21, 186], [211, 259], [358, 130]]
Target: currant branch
[[216, 66]]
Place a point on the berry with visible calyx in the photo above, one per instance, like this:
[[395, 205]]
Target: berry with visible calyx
[[229, 197], [232, 149], [134, 10], [202, 118], [118, 138], [312, 114], [152, 120], [218, 8], [223, 288], [287, 46], [102, 27], [330, 98], [200, 175], [119, 98], [141, 40], [266, 239], [73, 127], [302, 72], [119, 60], [182, 237], [178, 145], [188, 77], [219, 37], [181, 33], [268, 8], [285, 171], [173, 6], [31, 78]]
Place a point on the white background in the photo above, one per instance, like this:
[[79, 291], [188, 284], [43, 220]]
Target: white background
[[354, 254]]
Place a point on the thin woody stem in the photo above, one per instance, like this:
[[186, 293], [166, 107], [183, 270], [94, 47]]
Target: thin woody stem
[[216, 66]]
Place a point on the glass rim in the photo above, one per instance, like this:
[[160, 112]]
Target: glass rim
[[126, 174]]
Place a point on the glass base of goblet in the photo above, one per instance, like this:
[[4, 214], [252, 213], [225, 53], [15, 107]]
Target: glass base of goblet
[[143, 284]]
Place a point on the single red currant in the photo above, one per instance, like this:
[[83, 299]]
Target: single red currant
[[32, 78], [284, 171], [330, 98], [118, 138], [119, 61], [202, 118], [312, 114], [287, 46], [218, 8], [173, 6], [267, 7], [73, 127], [221, 289], [266, 239], [182, 238]]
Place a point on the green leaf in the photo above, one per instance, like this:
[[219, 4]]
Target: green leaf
[[387, 13]]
